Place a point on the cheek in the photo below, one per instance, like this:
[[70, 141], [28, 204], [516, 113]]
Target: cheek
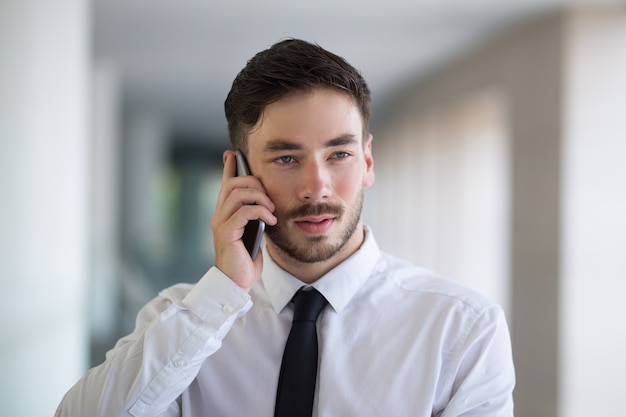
[[279, 190], [349, 184]]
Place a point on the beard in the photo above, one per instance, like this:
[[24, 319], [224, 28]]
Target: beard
[[316, 248]]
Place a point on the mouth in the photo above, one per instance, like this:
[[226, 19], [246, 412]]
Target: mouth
[[315, 225]]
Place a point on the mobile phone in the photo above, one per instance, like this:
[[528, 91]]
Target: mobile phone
[[253, 232]]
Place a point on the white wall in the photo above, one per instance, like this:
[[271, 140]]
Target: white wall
[[43, 193], [441, 195]]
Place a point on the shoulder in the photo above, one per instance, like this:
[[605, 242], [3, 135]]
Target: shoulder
[[438, 307], [427, 285]]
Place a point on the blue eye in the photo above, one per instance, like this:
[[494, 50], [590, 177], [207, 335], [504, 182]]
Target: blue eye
[[341, 155], [285, 159]]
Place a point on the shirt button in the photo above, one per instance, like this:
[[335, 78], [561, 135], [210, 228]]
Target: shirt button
[[227, 309], [177, 363]]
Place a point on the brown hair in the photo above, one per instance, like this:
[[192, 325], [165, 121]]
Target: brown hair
[[289, 66]]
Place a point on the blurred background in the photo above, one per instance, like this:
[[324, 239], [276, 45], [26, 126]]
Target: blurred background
[[499, 152]]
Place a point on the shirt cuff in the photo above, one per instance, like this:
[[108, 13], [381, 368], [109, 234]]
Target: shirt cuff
[[217, 296]]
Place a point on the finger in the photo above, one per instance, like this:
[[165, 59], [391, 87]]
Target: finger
[[230, 165], [231, 181], [241, 206], [229, 171], [253, 212], [232, 198], [250, 196]]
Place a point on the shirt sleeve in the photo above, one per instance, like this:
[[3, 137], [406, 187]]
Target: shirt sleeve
[[146, 371], [484, 375]]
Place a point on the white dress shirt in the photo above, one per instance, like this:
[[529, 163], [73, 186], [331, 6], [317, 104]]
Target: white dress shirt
[[395, 340]]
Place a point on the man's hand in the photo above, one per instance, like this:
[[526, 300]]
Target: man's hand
[[241, 199]]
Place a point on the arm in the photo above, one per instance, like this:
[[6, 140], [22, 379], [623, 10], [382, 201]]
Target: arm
[[146, 371], [484, 376]]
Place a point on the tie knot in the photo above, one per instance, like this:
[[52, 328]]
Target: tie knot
[[308, 304]]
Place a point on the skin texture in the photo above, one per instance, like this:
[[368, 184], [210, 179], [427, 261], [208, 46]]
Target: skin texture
[[311, 165]]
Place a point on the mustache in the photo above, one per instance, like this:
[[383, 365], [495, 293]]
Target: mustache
[[314, 210]]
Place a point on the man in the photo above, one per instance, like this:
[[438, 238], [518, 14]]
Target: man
[[394, 339]]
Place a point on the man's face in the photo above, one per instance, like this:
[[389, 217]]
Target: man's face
[[307, 149]]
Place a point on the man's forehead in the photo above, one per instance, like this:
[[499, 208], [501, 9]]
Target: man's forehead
[[297, 96], [323, 116]]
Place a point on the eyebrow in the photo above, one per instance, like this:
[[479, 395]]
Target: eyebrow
[[278, 145]]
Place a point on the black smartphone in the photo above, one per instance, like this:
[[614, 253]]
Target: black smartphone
[[253, 232]]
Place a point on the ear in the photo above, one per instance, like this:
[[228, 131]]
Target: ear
[[369, 177]]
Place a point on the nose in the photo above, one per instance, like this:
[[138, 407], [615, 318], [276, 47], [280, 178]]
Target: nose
[[315, 180]]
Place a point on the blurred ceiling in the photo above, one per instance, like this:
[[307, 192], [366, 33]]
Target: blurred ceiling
[[178, 58]]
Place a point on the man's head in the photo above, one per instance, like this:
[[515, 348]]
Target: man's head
[[289, 67], [300, 114]]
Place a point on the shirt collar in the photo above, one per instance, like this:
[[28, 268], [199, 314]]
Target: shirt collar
[[338, 286]]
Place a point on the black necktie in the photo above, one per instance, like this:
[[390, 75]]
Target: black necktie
[[298, 372]]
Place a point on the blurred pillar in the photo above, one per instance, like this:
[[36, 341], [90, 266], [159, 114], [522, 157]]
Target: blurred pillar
[[533, 70], [593, 251], [44, 239]]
